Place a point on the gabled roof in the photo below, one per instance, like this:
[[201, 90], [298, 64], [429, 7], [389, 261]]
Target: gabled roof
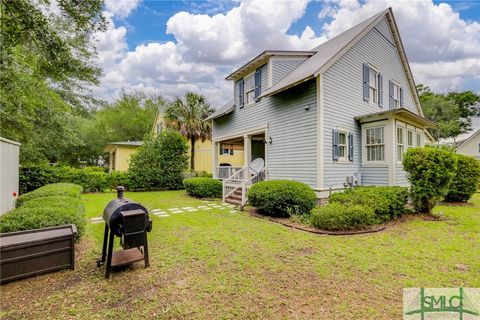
[[468, 139], [330, 51], [324, 53], [223, 110], [262, 59]]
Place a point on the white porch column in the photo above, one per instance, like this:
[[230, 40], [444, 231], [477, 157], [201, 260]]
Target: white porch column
[[215, 151], [247, 152]]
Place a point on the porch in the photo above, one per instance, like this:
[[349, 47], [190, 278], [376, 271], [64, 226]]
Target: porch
[[237, 172]]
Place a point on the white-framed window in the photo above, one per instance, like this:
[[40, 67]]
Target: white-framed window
[[418, 139], [226, 149], [342, 146], [373, 85], [396, 95], [410, 138], [400, 143], [249, 89], [375, 144]]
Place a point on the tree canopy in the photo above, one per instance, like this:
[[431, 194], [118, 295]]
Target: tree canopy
[[451, 112]]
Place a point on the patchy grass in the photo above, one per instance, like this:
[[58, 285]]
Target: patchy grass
[[216, 264]]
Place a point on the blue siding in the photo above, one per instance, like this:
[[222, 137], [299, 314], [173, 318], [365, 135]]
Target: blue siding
[[375, 176], [282, 67], [293, 130], [343, 100]]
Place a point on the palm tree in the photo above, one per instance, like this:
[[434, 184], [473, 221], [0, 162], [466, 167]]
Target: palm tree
[[187, 115]]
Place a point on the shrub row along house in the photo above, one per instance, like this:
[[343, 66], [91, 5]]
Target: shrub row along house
[[341, 113]]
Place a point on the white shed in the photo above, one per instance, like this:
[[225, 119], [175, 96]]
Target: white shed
[[9, 173]]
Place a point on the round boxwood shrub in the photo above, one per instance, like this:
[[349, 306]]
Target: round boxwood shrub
[[342, 217], [466, 179], [282, 198], [203, 187]]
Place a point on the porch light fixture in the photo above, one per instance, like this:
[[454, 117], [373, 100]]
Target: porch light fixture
[[307, 107], [269, 140]]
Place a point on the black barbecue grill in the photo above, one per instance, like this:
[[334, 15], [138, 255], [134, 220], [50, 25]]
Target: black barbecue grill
[[128, 220]]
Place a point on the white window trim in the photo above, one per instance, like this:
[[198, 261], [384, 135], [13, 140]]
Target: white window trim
[[245, 104], [345, 158], [402, 126], [366, 126], [396, 101], [376, 95], [413, 138]]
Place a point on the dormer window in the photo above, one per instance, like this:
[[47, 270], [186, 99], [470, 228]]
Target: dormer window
[[249, 89]]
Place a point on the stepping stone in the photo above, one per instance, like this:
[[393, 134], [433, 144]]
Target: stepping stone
[[166, 216], [201, 207], [96, 222], [177, 211], [186, 208], [233, 211], [156, 210], [191, 210], [222, 208], [212, 204], [230, 206], [97, 219], [208, 209], [174, 209]]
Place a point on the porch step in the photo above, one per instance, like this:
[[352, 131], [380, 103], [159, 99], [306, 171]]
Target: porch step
[[235, 198], [233, 201]]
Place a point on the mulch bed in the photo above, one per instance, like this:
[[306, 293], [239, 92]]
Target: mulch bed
[[286, 222]]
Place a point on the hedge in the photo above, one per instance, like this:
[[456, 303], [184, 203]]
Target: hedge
[[466, 179], [203, 187], [387, 202], [430, 172], [56, 189], [282, 198], [49, 206], [336, 216]]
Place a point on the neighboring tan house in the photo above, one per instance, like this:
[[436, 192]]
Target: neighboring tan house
[[340, 114], [229, 155], [470, 146], [120, 153]]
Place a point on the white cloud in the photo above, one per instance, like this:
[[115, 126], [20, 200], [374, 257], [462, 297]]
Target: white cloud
[[121, 8], [443, 49]]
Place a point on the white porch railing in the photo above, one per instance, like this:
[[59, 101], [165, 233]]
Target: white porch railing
[[242, 180], [224, 172]]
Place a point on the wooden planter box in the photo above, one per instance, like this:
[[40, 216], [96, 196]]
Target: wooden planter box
[[32, 252]]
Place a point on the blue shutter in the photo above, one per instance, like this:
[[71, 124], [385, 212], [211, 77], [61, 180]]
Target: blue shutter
[[366, 87], [401, 97], [240, 93], [380, 90], [258, 83], [390, 94], [350, 146], [335, 138]]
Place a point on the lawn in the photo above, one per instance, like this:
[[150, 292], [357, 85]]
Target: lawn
[[217, 264]]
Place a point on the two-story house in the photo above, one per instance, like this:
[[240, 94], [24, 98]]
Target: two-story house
[[340, 114]]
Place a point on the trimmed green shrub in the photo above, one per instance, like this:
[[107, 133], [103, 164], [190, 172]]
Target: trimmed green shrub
[[90, 178], [55, 189], [118, 178], [388, 202], [49, 206], [336, 216], [203, 187], [282, 198], [160, 162], [466, 179], [27, 218], [430, 172]]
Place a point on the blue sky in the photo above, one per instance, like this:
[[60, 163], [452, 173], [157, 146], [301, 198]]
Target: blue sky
[[148, 22], [169, 47]]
